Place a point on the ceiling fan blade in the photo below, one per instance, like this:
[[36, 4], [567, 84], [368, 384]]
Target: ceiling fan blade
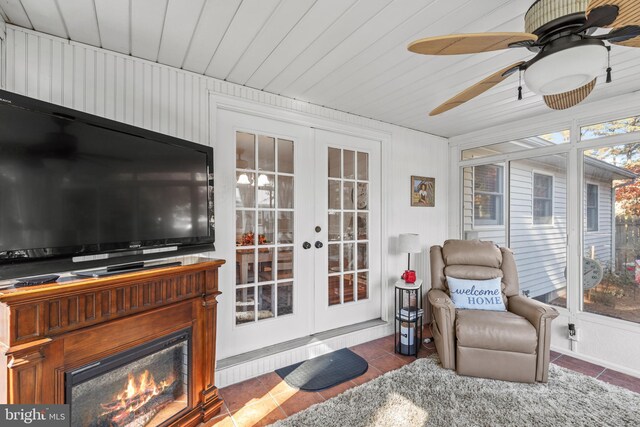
[[477, 89], [600, 17], [456, 44], [628, 12], [635, 42], [562, 101], [621, 34]]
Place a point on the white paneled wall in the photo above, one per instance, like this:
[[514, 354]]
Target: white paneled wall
[[176, 102]]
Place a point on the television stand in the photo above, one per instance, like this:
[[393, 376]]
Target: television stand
[[124, 268]]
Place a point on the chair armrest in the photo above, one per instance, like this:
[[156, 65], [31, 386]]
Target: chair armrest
[[443, 328], [540, 315], [534, 311]]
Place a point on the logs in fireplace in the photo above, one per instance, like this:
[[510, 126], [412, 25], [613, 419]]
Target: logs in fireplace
[[136, 349]]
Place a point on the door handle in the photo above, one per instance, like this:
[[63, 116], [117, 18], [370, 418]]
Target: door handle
[[318, 244], [306, 245]]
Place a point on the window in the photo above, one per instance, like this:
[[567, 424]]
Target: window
[[613, 127], [488, 201], [542, 199], [592, 207]]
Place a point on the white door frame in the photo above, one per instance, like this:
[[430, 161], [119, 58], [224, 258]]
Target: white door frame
[[218, 101]]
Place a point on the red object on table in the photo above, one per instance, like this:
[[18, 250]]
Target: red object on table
[[409, 276]]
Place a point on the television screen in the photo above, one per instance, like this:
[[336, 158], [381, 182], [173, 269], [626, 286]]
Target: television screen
[[71, 187]]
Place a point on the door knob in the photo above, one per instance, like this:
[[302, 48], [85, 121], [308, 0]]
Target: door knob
[[318, 244], [306, 245]]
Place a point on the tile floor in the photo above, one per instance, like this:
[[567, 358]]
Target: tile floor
[[266, 399]]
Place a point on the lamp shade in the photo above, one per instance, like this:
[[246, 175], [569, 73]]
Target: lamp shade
[[409, 243], [566, 70]]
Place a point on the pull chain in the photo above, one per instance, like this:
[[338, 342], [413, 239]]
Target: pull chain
[[520, 86], [609, 79]]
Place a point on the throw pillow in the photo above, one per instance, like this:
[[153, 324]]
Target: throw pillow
[[476, 294]]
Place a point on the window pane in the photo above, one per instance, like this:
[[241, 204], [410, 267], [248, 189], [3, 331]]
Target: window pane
[[245, 226], [348, 287], [285, 227], [348, 195], [334, 227], [515, 145], [334, 194], [266, 227], [614, 127], [363, 285], [474, 226], [540, 252], [611, 252]]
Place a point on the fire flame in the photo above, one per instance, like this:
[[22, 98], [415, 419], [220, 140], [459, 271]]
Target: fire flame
[[136, 394]]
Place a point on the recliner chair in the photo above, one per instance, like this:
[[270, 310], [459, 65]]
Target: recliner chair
[[510, 345]]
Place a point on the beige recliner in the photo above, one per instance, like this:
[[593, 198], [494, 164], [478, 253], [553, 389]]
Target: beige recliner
[[510, 345]]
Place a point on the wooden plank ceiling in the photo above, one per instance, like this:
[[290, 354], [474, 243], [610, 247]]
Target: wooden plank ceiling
[[349, 55]]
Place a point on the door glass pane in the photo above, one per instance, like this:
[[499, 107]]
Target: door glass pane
[[264, 227], [334, 194], [334, 290], [349, 164], [285, 227], [266, 153], [285, 192], [363, 166], [349, 226], [245, 151], [347, 223], [334, 258], [285, 298], [285, 156], [335, 163], [245, 305], [265, 301], [611, 227], [245, 190], [363, 285], [348, 287], [334, 226], [285, 262], [363, 224], [266, 191]]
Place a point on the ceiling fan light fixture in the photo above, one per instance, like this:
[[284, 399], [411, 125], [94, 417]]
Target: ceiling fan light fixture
[[567, 69]]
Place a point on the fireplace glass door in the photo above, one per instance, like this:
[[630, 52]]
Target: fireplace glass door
[[145, 386]]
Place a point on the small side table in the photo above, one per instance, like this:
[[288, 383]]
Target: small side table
[[408, 317]]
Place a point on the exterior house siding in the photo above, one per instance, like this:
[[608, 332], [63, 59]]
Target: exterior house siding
[[540, 249]]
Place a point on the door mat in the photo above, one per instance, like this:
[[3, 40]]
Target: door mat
[[324, 371]]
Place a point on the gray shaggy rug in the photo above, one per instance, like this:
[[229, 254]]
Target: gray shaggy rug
[[424, 394]]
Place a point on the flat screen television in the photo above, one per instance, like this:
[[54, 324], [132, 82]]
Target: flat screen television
[[74, 186]]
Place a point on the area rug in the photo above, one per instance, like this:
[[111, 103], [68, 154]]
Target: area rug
[[324, 371], [424, 394]]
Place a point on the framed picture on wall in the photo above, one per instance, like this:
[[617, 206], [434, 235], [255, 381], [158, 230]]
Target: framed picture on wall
[[423, 191]]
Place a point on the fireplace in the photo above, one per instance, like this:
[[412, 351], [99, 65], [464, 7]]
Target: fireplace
[[144, 386]]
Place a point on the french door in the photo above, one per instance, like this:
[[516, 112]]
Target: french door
[[347, 279], [298, 217]]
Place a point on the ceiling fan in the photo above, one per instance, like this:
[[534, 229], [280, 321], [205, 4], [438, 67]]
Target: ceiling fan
[[569, 56]]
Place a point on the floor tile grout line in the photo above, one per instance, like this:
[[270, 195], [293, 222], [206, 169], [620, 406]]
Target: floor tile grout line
[[602, 372]]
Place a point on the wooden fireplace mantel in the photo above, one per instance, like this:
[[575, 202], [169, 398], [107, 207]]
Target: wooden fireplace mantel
[[48, 330]]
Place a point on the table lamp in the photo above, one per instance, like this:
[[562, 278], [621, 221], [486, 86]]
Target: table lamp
[[409, 243]]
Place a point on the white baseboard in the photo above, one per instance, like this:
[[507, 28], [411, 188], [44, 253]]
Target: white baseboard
[[597, 361], [316, 347]]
